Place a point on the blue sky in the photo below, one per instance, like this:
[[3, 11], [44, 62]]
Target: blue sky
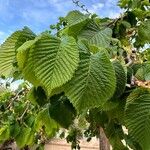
[[39, 14]]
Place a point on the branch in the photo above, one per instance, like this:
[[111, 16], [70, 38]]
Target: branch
[[139, 83]]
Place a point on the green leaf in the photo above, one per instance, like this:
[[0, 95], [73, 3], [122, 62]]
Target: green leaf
[[37, 96], [61, 110], [123, 3], [120, 78], [115, 135], [117, 113], [76, 21], [135, 67], [75, 17], [143, 73], [111, 104], [131, 18], [96, 36], [7, 54], [40, 147], [9, 47], [137, 116], [93, 83], [14, 130], [22, 54], [24, 60], [4, 133], [23, 137], [55, 60], [43, 119], [144, 32], [98, 117], [31, 138], [146, 54]]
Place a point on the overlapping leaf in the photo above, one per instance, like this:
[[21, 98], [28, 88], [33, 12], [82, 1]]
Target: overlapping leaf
[[144, 32], [137, 116], [120, 78], [115, 135], [61, 110], [143, 73], [76, 21], [93, 83], [55, 60], [9, 47], [37, 96], [23, 137], [43, 119], [75, 17], [95, 35], [24, 60], [4, 133]]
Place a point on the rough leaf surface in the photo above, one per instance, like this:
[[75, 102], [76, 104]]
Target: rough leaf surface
[[55, 60], [121, 78], [137, 116], [96, 36], [93, 83], [24, 60], [9, 47]]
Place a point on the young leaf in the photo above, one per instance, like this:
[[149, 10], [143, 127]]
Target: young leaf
[[75, 17], [43, 119], [4, 133], [14, 129], [23, 137], [76, 21]]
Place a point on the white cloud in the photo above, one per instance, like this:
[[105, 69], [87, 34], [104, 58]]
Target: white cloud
[[36, 16], [96, 7], [46, 13], [61, 6]]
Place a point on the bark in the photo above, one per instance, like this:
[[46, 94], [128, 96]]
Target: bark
[[103, 141]]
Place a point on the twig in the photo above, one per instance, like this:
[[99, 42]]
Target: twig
[[21, 117], [14, 98], [78, 3]]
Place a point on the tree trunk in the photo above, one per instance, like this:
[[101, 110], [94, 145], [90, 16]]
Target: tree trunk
[[103, 141]]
